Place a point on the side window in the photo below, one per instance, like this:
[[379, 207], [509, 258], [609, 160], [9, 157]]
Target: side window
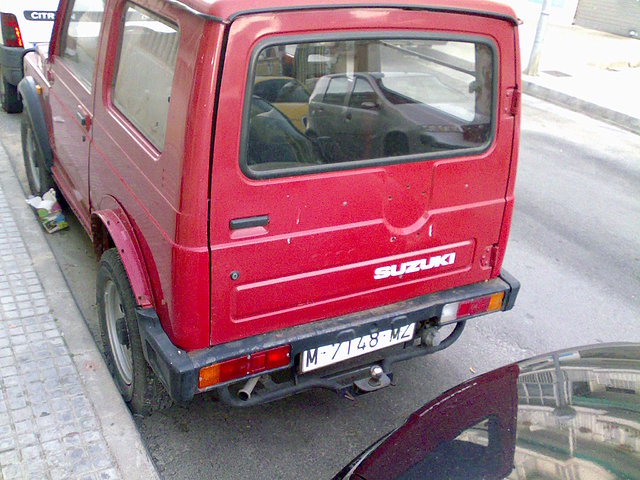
[[363, 95], [80, 38], [144, 72], [337, 91]]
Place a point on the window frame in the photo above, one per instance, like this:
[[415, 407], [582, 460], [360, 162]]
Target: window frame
[[353, 93], [284, 40], [116, 66], [88, 84]]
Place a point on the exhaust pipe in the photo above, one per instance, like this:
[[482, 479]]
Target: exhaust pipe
[[244, 393]]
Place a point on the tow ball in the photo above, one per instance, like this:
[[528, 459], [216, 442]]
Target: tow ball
[[377, 380]]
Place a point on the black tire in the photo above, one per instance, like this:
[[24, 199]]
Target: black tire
[[140, 387], [38, 175], [9, 97], [396, 144]]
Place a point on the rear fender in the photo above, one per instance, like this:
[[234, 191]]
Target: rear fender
[[33, 111], [119, 229]]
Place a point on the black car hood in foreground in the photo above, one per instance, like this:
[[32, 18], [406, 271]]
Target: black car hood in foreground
[[571, 415]]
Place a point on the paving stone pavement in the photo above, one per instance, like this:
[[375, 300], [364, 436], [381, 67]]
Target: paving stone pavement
[[48, 427]]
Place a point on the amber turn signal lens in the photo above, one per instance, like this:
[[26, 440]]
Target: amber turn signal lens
[[243, 366]]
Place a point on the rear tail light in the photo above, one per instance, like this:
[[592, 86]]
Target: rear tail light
[[451, 312], [11, 36], [244, 366]]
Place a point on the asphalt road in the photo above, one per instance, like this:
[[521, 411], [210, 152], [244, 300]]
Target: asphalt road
[[575, 246]]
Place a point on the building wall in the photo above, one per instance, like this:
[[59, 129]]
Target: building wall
[[620, 17]]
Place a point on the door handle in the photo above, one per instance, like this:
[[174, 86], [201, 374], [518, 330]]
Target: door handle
[[249, 222], [83, 117]]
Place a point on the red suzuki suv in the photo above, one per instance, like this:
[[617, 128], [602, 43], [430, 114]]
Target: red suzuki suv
[[286, 195]]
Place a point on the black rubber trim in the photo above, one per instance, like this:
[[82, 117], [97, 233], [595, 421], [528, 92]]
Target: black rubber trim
[[257, 221], [33, 109], [515, 289], [173, 366], [28, 50], [425, 8], [294, 8], [339, 383], [197, 13], [178, 370]]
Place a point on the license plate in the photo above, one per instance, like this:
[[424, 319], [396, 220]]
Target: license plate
[[338, 352]]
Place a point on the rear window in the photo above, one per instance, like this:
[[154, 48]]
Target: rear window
[[316, 106]]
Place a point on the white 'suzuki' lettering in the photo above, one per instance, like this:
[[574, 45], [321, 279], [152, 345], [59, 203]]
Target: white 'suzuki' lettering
[[414, 266]]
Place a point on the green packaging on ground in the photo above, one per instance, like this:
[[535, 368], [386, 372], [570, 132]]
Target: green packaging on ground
[[49, 211]]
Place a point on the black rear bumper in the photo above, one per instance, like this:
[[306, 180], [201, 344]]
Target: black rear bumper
[[11, 62], [178, 370]]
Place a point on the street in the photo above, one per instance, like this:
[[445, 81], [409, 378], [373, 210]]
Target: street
[[574, 246]]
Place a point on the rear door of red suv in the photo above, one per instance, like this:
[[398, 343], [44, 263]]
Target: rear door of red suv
[[304, 229]]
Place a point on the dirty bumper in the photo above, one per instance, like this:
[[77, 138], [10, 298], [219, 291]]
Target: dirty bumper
[[178, 370]]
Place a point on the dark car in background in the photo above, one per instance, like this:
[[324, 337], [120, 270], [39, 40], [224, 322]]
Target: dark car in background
[[273, 138], [573, 414], [286, 94], [23, 23], [374, 115]]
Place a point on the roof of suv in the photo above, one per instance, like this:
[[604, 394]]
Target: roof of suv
[[228, 10]]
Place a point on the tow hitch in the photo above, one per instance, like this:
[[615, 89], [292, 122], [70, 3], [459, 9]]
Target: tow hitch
[[377, 380]]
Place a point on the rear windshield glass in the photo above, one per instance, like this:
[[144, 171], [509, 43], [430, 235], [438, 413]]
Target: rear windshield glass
[[366, 101]]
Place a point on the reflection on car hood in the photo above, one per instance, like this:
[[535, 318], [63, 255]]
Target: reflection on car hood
[[571, 415]]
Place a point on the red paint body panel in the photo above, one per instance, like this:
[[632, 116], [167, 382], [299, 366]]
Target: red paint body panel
[[327, 232], [149, 184], [121, 232]]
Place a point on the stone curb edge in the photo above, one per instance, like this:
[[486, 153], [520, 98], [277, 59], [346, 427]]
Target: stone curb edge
[[618, 119], [130, 455]]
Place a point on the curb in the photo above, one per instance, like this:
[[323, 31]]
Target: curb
[[129, 453], [618, 119]]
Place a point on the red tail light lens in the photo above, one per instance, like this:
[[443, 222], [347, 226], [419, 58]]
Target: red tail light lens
[[11, 36], [244, 366]]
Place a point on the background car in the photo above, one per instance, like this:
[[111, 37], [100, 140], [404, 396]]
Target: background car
[[273, 138], [24, 23], [374, 115], [287, 95], [573, 414]]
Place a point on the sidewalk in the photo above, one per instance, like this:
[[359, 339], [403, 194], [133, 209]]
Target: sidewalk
[[588, 71], [60, 414]]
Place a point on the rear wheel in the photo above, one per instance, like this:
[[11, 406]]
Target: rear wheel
[[139, 386], [38, 174], [9, 97]]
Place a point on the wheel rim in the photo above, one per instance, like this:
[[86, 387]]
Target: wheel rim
[[31, 160], [116, 322]]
